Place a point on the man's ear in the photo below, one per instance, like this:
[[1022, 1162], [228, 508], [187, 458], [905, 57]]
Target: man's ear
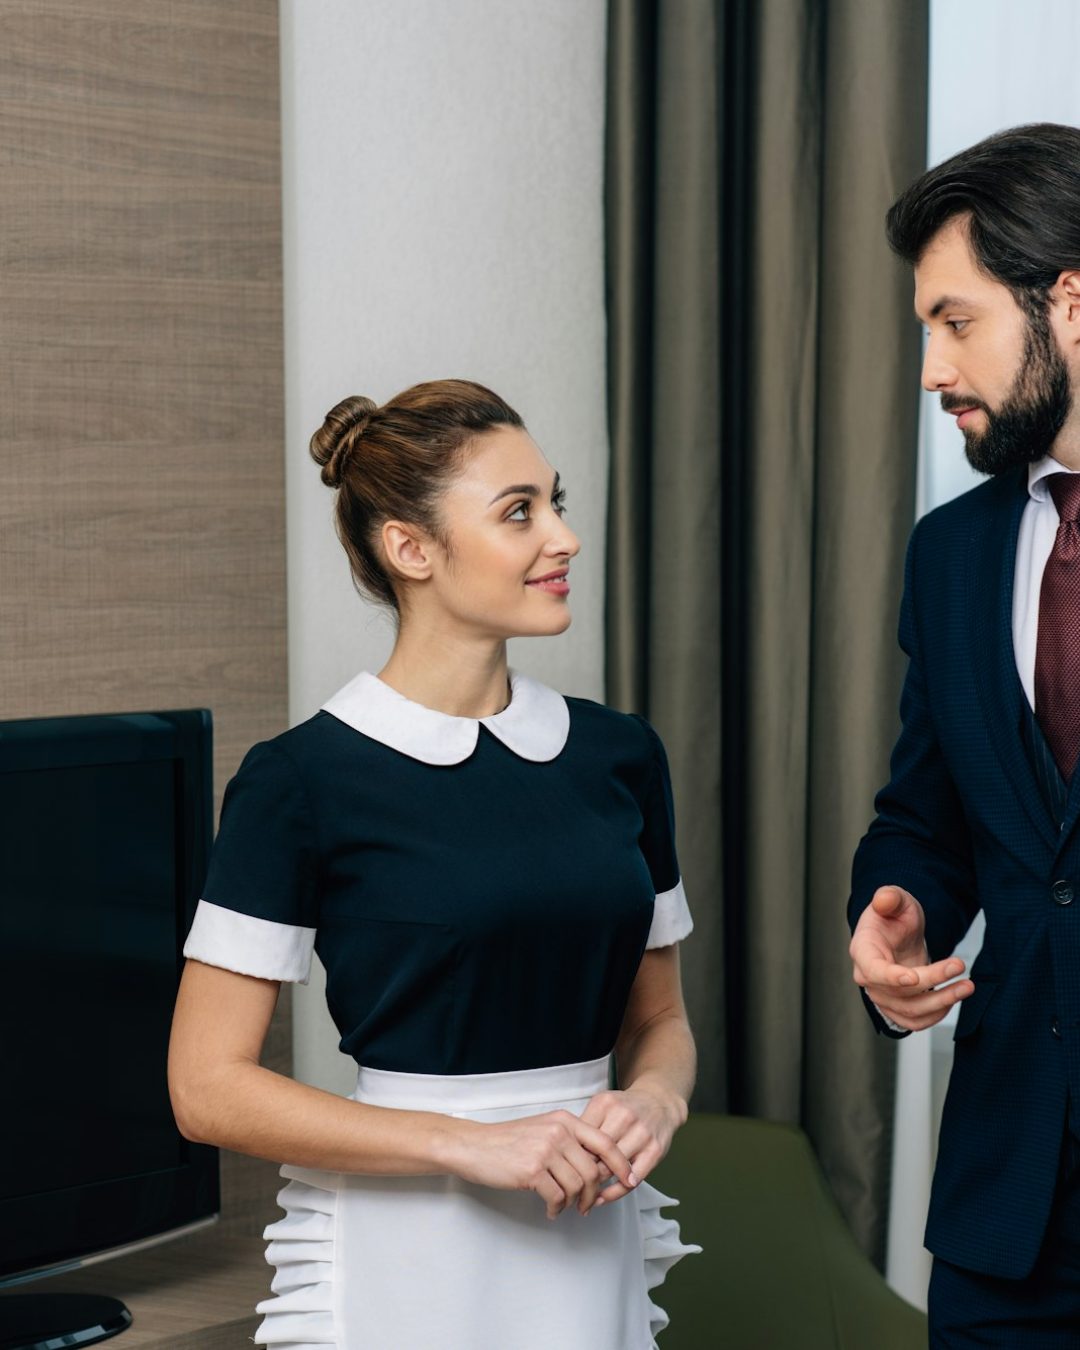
[[1066, 292], [407, 550]]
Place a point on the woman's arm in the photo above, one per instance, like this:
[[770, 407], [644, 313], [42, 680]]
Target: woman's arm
[[656, 1064], [222, 1095]]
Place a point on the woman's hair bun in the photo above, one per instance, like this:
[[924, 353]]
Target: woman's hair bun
[[335, 440]]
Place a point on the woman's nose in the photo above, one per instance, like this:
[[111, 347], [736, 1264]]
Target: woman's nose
[[564, 540]]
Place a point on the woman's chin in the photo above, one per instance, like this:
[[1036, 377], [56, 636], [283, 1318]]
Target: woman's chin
[[549, 626], [559, 622]]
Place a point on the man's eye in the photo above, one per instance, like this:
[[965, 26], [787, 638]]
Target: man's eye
[[957, 325]]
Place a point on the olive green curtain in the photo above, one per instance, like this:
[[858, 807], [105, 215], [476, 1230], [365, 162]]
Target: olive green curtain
[[763, 375]]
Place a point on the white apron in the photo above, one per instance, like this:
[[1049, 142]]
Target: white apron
[[436, 1263]]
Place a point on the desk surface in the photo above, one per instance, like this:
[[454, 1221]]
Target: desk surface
[[197, 1292]]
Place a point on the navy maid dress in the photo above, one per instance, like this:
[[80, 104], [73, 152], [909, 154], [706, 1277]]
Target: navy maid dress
[[480, 893]]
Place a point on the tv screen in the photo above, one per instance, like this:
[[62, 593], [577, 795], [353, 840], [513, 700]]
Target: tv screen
[[105, 826]]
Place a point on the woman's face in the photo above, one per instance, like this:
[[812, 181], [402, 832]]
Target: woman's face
[[504, 573]]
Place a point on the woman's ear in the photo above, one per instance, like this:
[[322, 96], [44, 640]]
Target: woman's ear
[[407, 551]]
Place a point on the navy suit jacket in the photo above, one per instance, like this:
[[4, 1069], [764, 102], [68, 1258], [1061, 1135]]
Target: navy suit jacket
[[963, 825]]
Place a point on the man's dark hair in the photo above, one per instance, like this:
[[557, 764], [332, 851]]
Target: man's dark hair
[[1020, 190]]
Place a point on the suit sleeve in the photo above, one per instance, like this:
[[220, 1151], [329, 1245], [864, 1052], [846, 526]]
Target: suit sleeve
[[919, 838]]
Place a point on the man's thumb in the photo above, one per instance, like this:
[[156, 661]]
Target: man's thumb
[[888, 901]]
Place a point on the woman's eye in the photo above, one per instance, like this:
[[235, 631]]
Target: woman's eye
[[520, 512], [558, 503]]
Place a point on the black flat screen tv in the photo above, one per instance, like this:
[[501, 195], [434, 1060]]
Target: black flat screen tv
[[105, 829]]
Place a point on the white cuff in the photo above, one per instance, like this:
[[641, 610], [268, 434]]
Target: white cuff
[[250, 946], [671, 918]]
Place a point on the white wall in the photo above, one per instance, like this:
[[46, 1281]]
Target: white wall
[[442, 179], [993, 64]]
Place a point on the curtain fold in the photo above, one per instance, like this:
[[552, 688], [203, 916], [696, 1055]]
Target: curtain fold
[[763, 376]]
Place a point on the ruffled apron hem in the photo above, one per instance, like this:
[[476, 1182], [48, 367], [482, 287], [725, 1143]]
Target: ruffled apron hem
[[301, 1247]]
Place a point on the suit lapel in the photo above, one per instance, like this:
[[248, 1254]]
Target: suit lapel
[[991, 567], [1072, 811]]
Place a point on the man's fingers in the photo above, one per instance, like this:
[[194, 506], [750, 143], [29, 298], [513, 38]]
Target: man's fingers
[[877, 972], [938, 1001], [909, 1023], [886, 974], [865, 950], [926, 977]]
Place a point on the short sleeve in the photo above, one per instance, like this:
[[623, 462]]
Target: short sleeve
[[257, 915], [671, 915]]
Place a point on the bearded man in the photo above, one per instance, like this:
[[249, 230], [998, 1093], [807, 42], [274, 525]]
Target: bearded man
[[983, 803]]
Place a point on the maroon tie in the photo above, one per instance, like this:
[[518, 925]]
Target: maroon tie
[[1057, 652]]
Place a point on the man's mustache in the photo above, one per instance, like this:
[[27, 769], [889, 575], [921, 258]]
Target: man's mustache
[[953, 403]]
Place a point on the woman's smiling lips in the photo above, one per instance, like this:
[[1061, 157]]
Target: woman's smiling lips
[[555, 583]]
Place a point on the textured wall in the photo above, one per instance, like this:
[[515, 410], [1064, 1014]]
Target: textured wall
[[141, 512], [442, 182], [141, 490]]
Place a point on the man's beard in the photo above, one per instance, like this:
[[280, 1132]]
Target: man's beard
[[1035, 409]]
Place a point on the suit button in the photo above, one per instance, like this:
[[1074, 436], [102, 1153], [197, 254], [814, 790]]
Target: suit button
[[1062, 893], [1055, 1028]]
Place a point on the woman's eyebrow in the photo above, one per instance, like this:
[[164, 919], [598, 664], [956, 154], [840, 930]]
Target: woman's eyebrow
[[524, 490]]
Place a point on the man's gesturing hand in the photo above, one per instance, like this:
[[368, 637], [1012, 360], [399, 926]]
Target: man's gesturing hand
[[888, 952]]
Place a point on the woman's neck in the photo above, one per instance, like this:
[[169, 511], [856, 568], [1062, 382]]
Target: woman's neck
[[464, 679]]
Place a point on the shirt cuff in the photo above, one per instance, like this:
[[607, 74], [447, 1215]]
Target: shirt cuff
[[671, 918], [893, 1026], [250, 946]]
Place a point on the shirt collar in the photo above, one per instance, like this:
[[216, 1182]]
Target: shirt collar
[[1038, 474], [534, 724]]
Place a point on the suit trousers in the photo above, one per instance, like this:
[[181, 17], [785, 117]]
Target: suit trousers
[[1042, 1311]]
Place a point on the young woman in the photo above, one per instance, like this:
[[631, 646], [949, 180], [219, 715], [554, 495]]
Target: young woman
[[487, 871]]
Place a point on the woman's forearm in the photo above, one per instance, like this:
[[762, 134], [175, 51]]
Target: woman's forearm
[[660, 1055], [249, 1109], [253, 1110]]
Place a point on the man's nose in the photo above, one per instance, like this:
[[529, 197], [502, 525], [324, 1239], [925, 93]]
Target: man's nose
[[937, 373]]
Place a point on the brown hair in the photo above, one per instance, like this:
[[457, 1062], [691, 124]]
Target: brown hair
[[393, 463]]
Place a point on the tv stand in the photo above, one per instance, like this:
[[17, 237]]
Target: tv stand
[[52, 1321]]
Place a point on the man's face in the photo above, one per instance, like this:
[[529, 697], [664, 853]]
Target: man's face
[[998, 369]]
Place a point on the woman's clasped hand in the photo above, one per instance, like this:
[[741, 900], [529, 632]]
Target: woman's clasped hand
[[560, 1156], [642, 1121], [581, 1161]]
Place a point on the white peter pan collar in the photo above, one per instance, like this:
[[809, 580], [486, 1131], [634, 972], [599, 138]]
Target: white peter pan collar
[[534, 724]]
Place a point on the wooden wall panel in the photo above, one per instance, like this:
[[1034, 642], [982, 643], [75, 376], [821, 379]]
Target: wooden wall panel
[[142, 552]]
